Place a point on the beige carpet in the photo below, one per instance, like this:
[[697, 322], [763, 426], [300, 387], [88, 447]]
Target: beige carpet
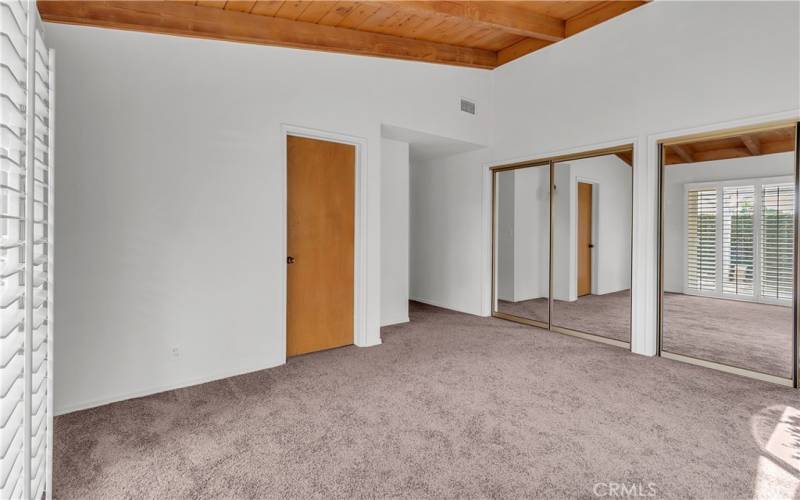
[[449, 406], [607, 315], [743, 334]]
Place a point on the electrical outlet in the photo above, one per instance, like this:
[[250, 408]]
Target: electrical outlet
[[176, 352]]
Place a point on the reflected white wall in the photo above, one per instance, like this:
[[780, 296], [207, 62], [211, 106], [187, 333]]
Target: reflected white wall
[[523, 209]]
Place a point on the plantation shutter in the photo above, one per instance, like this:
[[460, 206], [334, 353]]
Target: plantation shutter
[[40, 207], [701, 252], [25, 253], [738, 245], [777, 241], [13, 92]]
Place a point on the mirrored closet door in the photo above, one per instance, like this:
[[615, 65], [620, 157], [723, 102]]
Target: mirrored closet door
[[562, 244], [592, 219], [522, 244], [728, 227]]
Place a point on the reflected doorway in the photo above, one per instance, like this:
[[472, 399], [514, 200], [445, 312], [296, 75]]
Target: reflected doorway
[[584, 239]]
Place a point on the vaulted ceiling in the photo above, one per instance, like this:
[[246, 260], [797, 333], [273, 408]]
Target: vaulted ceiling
[[483, 34]]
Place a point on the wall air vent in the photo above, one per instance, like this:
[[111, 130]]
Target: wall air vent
[[467, 106]]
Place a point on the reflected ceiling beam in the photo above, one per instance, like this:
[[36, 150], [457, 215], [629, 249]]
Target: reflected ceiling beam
[[721, 154], [683, 153], [783, 146], [627, 157], [601, 12], [184, 18], [498, 15], [744, 145], [752, 144]]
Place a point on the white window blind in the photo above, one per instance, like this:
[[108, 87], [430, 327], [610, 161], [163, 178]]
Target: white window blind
[[702, 240], [13, 123], [26, 251], [740, 239], [777, 240], [738, 249]]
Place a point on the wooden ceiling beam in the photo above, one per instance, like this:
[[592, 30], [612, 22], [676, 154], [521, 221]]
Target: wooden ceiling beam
[[683, 153], [752, 144], [186, 19], [782, 146], [504, 16], [597, 14], [519, 49]]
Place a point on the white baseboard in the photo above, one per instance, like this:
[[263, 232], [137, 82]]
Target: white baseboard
[[443, 306], [161, 388], [371, 344], [395, 321]]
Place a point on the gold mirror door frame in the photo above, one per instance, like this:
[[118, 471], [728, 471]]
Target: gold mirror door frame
[[515, 314], [625, 152], [666, 156]]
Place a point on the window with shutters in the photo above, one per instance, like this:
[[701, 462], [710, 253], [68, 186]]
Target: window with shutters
[[738, 249], [740, 239], [777, 240], [26, 253], [702, 240]]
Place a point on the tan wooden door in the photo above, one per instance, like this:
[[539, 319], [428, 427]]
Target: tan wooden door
[[584, 238], [320, 245]]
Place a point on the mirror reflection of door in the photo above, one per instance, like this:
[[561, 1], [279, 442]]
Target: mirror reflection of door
[[584, 239], [562, 245], [592, 223]]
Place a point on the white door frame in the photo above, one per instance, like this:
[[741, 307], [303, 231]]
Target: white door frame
[[360, 269]]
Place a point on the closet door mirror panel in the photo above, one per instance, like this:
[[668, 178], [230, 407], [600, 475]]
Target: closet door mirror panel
[[728, 250], [522, 242], [592, 234]]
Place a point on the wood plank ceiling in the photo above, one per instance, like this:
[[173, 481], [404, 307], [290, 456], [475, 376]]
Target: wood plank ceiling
[[779, 140], [483, 34]]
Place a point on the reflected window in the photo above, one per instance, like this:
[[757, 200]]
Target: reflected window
[[728, 218]]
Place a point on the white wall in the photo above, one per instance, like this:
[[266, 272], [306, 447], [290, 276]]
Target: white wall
[[523, 254], [675, 179], [666, 66], [654, 71], [394, 231], [170, 195], [532, 232], [170, 162], [505, 192], [564, 272], [446, 252]]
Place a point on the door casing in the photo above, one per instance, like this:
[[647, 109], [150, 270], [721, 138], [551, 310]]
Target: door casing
[[321, 243], [361, 333]]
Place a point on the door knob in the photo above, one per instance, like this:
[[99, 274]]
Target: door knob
[[591, 246], [290, 260]]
